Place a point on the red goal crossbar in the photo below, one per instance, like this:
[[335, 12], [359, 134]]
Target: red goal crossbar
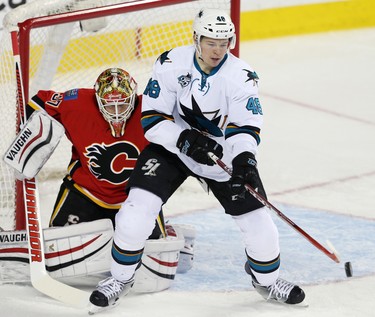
[[26, 26]]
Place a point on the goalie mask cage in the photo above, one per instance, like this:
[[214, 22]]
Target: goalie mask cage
[[65, 44]]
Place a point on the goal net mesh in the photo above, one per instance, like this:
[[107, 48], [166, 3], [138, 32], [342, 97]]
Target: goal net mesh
[[63, 56]]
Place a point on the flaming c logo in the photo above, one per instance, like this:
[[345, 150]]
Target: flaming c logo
[[112, 163]]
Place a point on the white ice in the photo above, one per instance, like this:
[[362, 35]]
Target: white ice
[[317, 155]]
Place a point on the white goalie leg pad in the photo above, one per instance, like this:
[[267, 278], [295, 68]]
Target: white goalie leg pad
[[185, 263], [85, 250], [71, 251], [159, 263], [14, 257], [34, 144]]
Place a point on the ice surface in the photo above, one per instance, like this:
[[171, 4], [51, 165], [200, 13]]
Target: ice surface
[[316, 159]]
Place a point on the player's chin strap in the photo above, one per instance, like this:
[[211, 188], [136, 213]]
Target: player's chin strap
[[331, 254]]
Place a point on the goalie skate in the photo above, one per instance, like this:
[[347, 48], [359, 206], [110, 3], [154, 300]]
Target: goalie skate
[[108, 293]]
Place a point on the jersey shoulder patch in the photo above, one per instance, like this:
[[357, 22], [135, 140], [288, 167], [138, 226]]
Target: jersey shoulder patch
[[241, 71], [71, 94], [251, 75], [163, 58]]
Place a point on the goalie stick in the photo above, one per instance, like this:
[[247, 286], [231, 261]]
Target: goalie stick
[[39, 277], [331, 254]]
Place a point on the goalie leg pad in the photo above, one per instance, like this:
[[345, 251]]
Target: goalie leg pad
[[14, 257], [185, 263], [70, 251], [159, 264], [84, 251]]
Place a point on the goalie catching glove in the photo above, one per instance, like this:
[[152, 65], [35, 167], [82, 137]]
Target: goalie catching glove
[[34, 145], [197, 146], [245, 172]]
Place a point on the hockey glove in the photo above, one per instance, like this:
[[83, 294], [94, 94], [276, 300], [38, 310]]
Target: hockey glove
[[245, 172], [196, 145]]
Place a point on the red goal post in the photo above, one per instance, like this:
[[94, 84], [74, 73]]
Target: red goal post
[[65, 44]]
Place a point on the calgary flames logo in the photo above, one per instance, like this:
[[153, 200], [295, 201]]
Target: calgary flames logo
[[112, 163]]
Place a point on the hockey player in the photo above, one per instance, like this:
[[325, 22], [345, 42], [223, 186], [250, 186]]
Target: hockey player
[[103, 125], [103, 155], [200, 99]]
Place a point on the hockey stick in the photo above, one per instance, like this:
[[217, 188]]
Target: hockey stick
[[331, 254], [39, 277]]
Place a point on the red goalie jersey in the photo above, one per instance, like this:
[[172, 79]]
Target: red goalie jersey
[[101, 164]]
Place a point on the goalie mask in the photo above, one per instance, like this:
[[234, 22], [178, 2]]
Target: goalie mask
[[215, 24], [115, 92]]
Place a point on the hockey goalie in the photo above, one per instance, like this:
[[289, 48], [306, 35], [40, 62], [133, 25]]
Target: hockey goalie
[[103, 125]]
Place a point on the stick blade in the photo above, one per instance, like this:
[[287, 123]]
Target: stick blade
[[61, 292], [336, 255]]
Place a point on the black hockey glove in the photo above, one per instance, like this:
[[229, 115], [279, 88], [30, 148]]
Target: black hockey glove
[[245, 172], [196, 145]]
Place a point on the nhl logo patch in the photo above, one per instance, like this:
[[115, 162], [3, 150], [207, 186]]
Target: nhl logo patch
[[184, 80]]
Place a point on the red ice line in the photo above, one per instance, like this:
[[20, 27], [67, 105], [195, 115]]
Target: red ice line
[[340, 180], [305, 105]]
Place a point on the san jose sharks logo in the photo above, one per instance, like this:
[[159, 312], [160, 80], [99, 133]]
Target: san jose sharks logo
[[163, 58], [112, 163], [197, 119], [252, 76]]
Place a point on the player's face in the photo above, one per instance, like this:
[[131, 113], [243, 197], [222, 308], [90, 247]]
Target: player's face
[[120, 108], [213, 51], [117, 118]]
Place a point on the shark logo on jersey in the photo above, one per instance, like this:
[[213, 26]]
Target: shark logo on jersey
[[112, 163], [197, 119], [184, 80], [163, 58], [252, 76]]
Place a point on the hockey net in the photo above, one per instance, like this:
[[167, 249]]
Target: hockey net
[[65, 44]]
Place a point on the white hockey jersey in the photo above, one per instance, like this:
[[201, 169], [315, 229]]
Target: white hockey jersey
[[223, 105]]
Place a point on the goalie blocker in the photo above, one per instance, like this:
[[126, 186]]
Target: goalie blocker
[[84, 249], [34, 144]]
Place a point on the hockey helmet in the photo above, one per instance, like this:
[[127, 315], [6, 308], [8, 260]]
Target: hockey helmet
[[116, 93], [215, 24]]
